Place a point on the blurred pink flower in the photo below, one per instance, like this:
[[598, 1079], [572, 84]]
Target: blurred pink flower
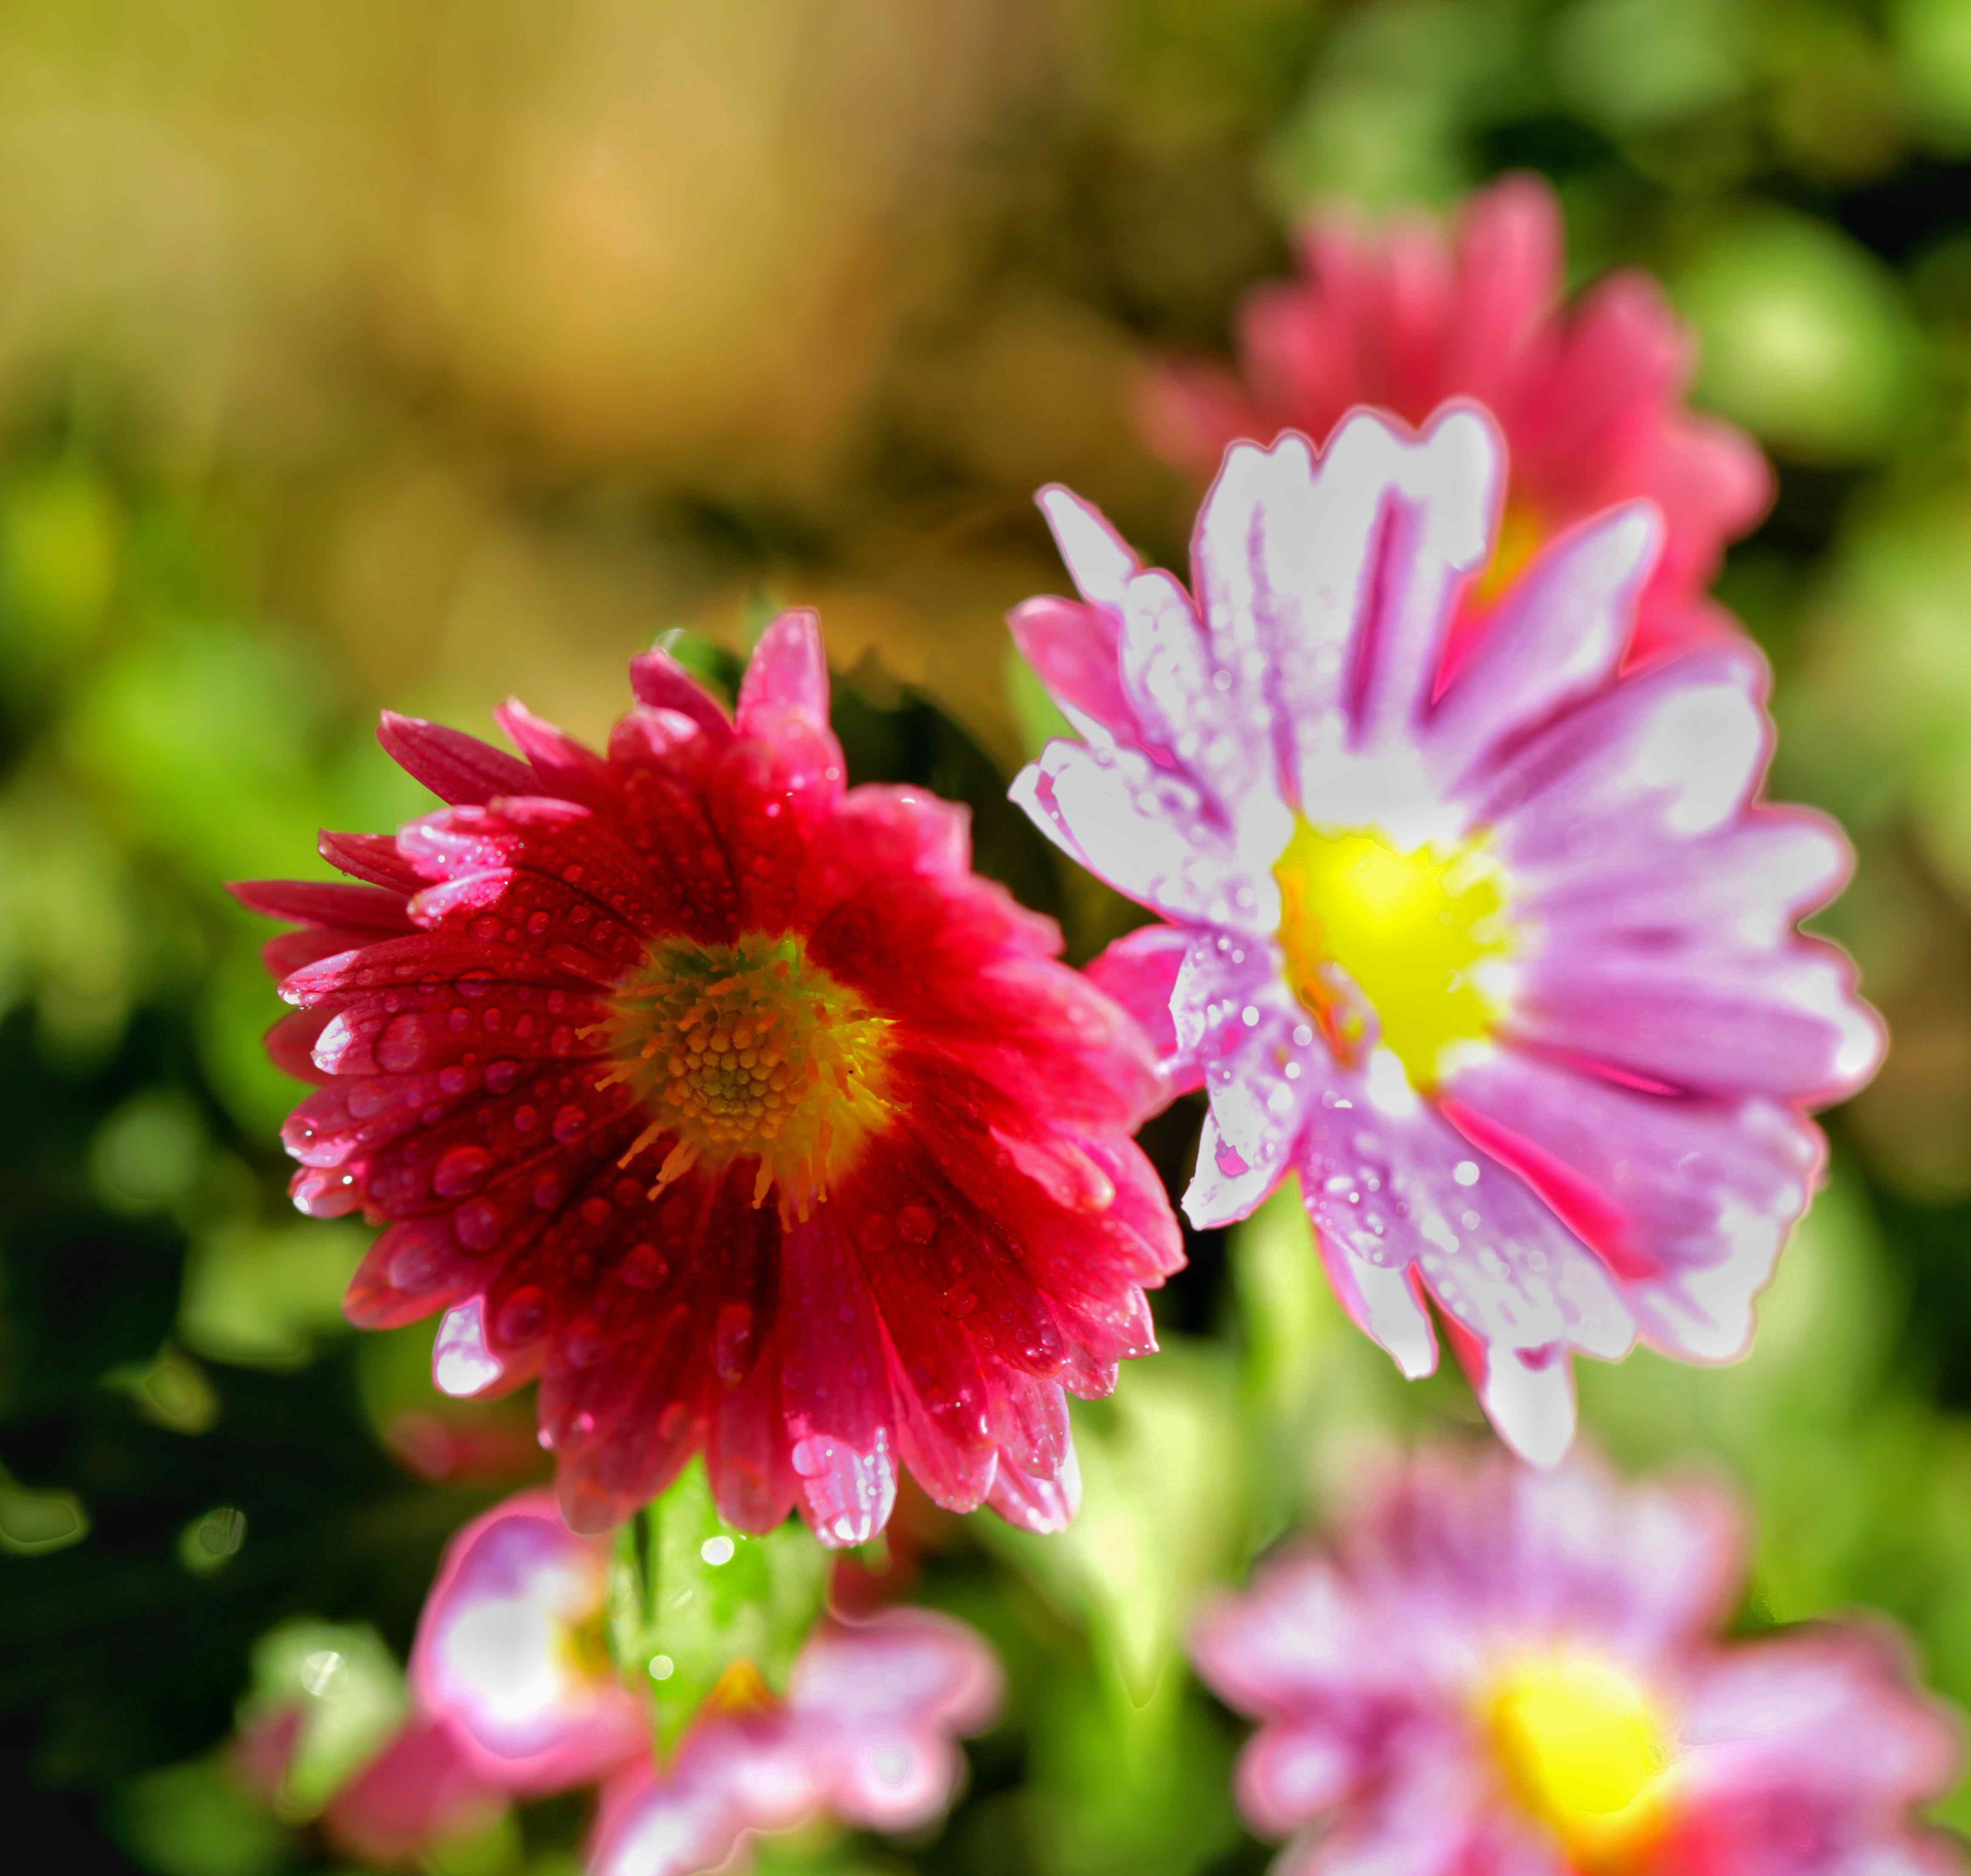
[[867, 1733], [730, 1100], [510, 1652], [1591, 401], [421, 1788], [1502, 964], [1501, 1672]]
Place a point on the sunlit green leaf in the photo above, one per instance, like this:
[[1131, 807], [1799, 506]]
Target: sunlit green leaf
[[699, 1610]]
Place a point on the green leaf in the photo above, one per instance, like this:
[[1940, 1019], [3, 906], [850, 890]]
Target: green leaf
[[694, 1601], [350, 1694]]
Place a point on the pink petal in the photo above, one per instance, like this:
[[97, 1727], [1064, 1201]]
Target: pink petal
[[1528, 1396], [1139, 971], [1147, 832], [1557, 637], [454, 766], [661, 683], [1688, 1201], [1073, 650], [787, 673], [834, 1388], [1100, 561]]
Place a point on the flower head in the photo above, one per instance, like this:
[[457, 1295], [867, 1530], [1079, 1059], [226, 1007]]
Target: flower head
[[1512, 1672], [510, 1653], [1500, 961], [867, 1733], [727, 1099], [1591, 403]]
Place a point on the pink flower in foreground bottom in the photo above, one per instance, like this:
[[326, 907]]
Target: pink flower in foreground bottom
[[1503, 966], [866, 1735], [1591, 403], [510, 1653], [1501, 1672], [729, 1100]]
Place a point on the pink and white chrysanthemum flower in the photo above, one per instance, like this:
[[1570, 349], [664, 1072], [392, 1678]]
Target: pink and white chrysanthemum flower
[[867, 1734], [1504, 966], [510, 1654], [1504, 1672], [1591, 398]]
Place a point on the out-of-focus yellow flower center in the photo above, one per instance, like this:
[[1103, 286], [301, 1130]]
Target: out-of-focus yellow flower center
[[582, 1649], [1522, 534], [741, 1689], [752, 1051], [1582, 1745], [1409, 928]]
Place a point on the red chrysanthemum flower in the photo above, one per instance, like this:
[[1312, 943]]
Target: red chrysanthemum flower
[[727, 1099]]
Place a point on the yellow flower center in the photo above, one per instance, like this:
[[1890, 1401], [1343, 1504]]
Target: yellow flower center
[[751, 1051], [741, 1689], [1582, 1745], [1522, 534], [581, 1648], [1410, 928]]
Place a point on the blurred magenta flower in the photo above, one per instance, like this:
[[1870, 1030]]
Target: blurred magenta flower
[[421, 1789], [1519, 1674], [418, 1788], [728, 1099], [1503, 964], [867, 1733], [1591, 401], [511, 1654]]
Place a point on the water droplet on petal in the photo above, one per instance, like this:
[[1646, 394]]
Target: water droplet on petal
[[732, 1343], [402, 1046], [645, 1267], [478, 1223], [918, 1223], [521, 1316], [458, 1171]]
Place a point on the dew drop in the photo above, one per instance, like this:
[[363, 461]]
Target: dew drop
[[478, 1223], [501, 1076], [568, 1122], [583, 1346], [916, 1223], [873, 1234], [522, 1315], [401, 1047], [460, 1170], [732, 1343], [645, 1267]]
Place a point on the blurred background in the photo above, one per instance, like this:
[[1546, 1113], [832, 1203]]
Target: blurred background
[[420, 352]]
